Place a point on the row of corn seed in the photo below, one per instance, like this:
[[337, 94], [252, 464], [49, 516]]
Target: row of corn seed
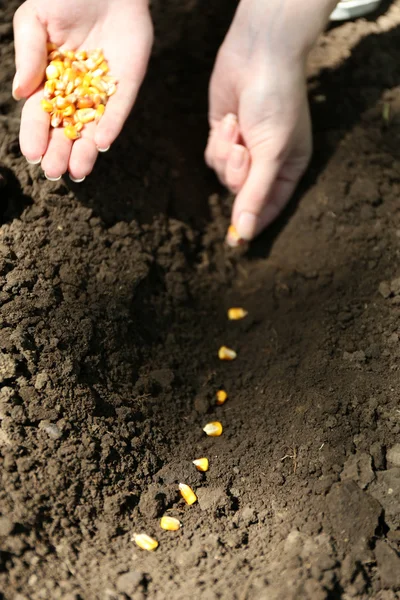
[[213, 429]]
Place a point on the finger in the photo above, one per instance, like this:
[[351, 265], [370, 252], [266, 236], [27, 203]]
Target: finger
[[83, 155], [30, 51], [56, 158], [34, 130], [254, 194], [210, 151], [237, 167], [120, 104], [226, 135], [281, 192]]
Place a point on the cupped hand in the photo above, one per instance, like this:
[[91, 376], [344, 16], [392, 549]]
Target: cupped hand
[[123, 29], [260, 133]]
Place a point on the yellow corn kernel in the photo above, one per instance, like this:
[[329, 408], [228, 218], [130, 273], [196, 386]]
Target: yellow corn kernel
[[225, 353], [59, 65], [87, 80], [99, 112], [71, 132], [70, 54], [70, 88], [86, 115], [213, 429], [79, 66], [81, 55], [69, 110], [187, 493], [52, 72], [50, 47], [54, 55], [81, 91], [68, 121], [112, 88], [84, 102], [60, 103], [94, 59], [98, 97], [235, 314], [222, 396], [232, 237], [201, 464], [49, 88], [60, 85], [170, 523], [69, 75], [47, 105], [71, 98], [56, 118], [145, 542], [79, 126], [67, 62], [100, 84]]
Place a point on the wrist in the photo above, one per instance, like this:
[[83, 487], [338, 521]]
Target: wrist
[[288, 28]]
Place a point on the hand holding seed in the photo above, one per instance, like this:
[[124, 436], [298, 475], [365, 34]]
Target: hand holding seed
[[123, 30], [260, 133]]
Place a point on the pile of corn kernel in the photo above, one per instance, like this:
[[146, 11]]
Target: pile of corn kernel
[[77, 88], [213, 429]]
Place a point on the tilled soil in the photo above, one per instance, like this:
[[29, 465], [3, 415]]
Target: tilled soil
[[113, 306]]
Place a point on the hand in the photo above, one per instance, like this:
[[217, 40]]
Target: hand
[[122, 28], [260, 132]]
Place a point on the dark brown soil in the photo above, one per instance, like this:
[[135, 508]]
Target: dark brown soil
[[112, 308]]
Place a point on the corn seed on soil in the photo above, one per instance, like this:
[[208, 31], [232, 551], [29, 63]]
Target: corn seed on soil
[[113, 304]]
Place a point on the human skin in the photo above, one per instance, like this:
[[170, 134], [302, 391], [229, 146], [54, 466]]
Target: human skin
[[260, 132]]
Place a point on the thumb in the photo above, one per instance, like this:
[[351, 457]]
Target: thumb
[[30, 38], [253, 197]]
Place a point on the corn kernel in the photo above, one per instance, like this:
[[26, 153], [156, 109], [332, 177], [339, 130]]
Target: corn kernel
[[71, 55], [47, 105], [213, 429], [112, 88], [86, 115], [52, 72], [225, 353], [56, 118], [69, 110], [170, 523], [54, 55], [49, 88], [60, 85], [201, 464], [71, 132], [67, 63], [222, 396], [79, 126], [61, 103], [99, 112], [81, 55], [84, 102], [234, 314], [68, 121], [145, 542], [187, 493], [232, 237]]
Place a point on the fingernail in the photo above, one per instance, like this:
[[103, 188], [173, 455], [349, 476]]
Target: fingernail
[[15, 86], [52, 178], [247, 225], [77, 180], [37, 161], [104, 149], [236, 158], [229, 123], [232, 237]]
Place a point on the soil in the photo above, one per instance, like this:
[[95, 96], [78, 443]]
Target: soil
[[113, 306]]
